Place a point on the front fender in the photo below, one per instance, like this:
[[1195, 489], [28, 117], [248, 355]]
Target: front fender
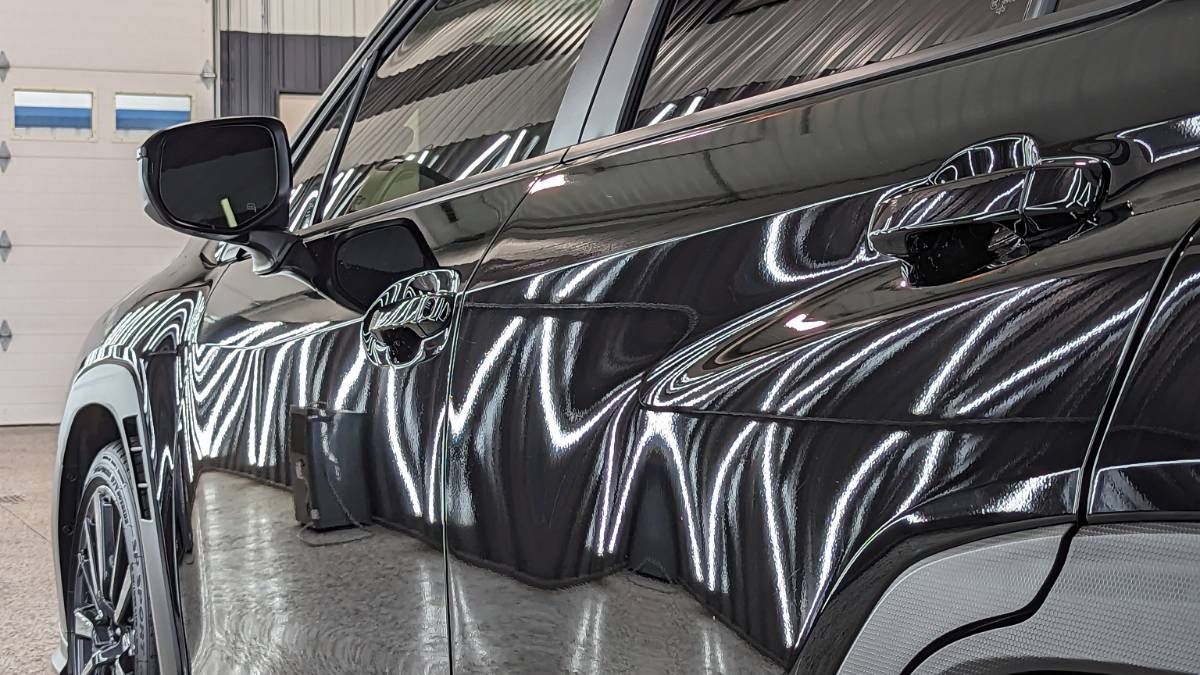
[[106, 399]]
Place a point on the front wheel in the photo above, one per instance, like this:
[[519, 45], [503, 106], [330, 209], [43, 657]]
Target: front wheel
[[109, 625]]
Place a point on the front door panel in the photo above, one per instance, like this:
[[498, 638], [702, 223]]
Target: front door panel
[[260, 594], [699, 420]]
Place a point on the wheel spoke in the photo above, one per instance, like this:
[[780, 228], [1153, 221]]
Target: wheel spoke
[[83, 625], [89, 580], [102, 622], [121, 607], [103, 522], [120, 563], [90, 574]]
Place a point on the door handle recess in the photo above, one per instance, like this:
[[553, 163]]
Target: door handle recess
[[410, 321], [987, 205]]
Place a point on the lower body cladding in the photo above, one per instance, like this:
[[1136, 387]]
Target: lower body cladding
[[1127, 600], [1119, 598]]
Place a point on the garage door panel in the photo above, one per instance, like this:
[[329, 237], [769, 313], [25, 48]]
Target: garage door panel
[[32, 413], [74, 311], [54, 353], [32, 393], [52, 369], [109, 180], [64, 231], [51, 323], [41, 329], [79, 263], [70, 202], [45, 348], [169, 34], [35, 149], [21, 290]]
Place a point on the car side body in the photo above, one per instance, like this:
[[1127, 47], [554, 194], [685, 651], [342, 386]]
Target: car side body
[[708, 392]]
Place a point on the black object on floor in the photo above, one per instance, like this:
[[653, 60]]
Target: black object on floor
[[329, 487]]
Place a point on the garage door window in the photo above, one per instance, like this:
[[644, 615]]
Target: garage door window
[[66, 114], [143, 112], [717, 51], [474, 86]]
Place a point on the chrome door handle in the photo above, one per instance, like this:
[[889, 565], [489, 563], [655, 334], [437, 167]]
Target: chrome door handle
[[987, 205], [410, 321]]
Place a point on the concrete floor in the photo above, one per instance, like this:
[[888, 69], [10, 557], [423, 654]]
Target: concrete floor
[[27, 620]]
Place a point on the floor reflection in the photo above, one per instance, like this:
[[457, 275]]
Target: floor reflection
[[621, 623], [265, 601]]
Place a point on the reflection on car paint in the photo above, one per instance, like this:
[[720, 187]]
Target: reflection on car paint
[[690, 417]]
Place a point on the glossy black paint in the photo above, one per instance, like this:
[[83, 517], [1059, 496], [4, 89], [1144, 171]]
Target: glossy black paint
[[804, 409], [680, 383], [1148, 465]]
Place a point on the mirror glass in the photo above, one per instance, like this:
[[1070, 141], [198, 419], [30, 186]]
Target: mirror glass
[[218, 178]]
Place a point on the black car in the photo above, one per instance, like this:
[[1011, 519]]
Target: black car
[[665, 336]]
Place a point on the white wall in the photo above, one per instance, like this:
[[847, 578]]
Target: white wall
[[71, 204]]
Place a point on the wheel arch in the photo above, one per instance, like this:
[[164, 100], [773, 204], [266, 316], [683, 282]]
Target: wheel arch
[[90, 429], [105, 404]]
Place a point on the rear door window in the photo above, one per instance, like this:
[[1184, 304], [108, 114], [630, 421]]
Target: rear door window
[[718, 51]]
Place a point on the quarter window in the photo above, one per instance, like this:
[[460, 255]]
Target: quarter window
[[717, 51], [474, 86]]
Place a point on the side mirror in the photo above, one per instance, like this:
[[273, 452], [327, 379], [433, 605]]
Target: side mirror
[[226, 179]]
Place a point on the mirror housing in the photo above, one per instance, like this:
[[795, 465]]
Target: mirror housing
[[227, 179]]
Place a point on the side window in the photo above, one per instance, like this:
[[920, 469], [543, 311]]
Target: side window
[[475, 85], [306, 176], [717, 51]]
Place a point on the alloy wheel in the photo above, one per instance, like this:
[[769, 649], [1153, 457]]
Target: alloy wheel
[[103, 622]]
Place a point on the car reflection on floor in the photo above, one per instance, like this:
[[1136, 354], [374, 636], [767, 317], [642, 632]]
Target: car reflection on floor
[[304, 616]]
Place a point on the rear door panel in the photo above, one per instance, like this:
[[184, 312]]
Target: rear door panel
[[1148, 466], [688, 388]]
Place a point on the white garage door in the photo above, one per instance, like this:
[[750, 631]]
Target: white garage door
[[68, 196]]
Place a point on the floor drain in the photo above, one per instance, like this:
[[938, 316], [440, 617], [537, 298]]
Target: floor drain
[[11, 499]]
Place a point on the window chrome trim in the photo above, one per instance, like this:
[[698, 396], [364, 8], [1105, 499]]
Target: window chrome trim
[[387, 210], [621, 85]]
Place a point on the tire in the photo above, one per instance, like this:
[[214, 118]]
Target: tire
[[109, 627]]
